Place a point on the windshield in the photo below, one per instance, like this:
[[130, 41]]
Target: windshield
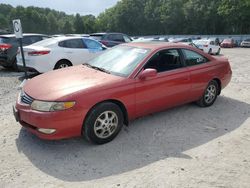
[[201, 42], [120, 60]]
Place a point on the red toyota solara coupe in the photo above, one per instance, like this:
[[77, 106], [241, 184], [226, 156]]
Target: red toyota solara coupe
[[97, 98]]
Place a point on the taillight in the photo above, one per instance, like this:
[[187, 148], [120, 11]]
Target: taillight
[[37, 53], [205, 45], [4, 47]]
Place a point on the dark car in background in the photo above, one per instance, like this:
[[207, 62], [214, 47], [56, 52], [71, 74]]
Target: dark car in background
[[111, 39], [245, 43], [9, 46]]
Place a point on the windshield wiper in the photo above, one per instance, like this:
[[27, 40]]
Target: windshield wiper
[[97, 68]]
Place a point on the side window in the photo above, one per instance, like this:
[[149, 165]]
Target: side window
[[126, 38], [165, 60], [72, 43], [193, 58], [91, 44]]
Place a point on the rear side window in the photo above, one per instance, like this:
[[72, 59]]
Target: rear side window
[[91, 44], [193, 58], [72, 43]]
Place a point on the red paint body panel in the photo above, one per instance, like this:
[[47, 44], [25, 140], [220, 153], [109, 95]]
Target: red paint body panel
[[88, 87]]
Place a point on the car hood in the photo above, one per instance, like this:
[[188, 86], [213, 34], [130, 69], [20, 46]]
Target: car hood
[[56, 85]]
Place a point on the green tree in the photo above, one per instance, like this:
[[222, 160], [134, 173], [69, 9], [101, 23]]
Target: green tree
[[78, 24]]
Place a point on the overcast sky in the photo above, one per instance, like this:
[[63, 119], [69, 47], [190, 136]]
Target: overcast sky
[[82, 7]]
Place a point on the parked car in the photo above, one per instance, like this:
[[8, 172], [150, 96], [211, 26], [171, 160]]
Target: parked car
[[9, 45], [228, 43], [208, 46], [125, 82], [59, 52], [215, 40], [245, 43], [111, 39]]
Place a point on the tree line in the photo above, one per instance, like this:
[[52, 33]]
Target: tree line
[[139, 17]]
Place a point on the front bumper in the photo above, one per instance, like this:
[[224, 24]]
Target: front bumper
[[67, 123]]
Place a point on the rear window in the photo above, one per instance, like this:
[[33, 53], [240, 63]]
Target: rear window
[[72, 43], [4, 40], [45, 42], [96, 37], [248, 40]]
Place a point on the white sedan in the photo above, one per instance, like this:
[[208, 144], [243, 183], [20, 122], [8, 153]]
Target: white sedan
[[208, 46], [59, 52]]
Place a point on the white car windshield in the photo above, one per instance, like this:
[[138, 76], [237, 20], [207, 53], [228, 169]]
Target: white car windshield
[[120, 60], [201, 42]]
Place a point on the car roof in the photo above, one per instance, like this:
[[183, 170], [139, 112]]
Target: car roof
[[24, 34], [154, 45], [105, 33]]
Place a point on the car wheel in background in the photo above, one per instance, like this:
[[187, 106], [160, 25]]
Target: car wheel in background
[[210, 94], [210, 51], [103, 123], [218, 52], [62, 64]]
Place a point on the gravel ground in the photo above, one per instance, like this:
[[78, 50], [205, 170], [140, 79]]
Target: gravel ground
[[186, 146]]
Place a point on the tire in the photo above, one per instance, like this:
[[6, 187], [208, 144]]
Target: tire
[[210, 51], [210, 94], [103, 123], [218, 52], [62, 64]]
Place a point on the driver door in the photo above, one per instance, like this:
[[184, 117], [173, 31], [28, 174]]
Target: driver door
[[170, 87]]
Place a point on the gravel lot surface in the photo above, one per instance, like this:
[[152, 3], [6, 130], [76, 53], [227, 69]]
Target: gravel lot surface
[[187, 146]]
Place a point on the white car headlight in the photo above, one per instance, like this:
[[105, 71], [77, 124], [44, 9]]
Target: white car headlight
[[51, 106]]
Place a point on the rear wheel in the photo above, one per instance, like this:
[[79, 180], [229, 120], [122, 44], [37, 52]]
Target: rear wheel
[[62, 64], [103, 123], [210, 94]]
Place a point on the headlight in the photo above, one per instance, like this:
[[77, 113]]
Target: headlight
[[51, 106]]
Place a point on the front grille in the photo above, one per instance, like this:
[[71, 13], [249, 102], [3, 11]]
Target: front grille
[[26, 99]]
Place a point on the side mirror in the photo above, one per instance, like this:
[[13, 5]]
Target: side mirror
[[147, 73]]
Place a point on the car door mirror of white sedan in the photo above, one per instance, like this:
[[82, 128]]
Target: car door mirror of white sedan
[[147, 73]]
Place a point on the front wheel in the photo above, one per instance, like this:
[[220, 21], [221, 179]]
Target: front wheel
[[103, 123], [210, 94]]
